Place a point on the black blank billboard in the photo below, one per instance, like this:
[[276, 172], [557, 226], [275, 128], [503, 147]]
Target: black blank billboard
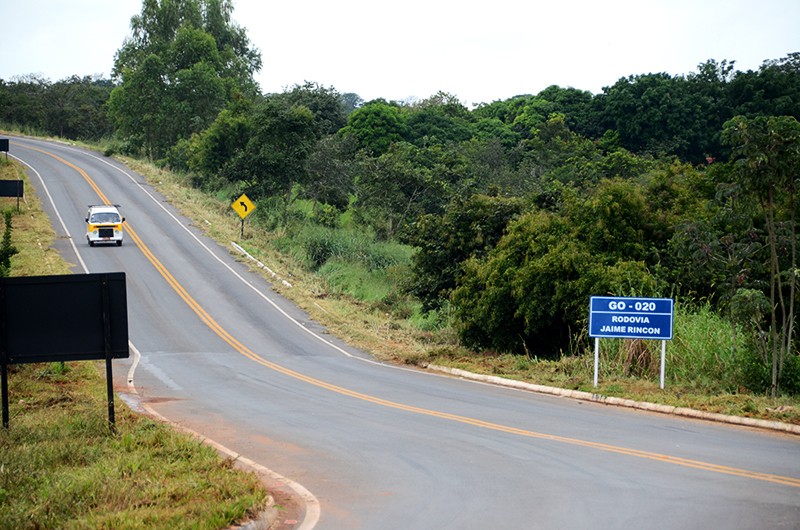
[[63, 318]]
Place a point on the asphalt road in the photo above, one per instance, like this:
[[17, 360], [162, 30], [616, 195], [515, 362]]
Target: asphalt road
[[378, 446]]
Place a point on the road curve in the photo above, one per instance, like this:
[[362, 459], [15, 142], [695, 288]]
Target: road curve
[[382, 446]]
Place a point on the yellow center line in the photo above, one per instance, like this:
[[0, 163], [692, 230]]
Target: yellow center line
[[244, 350]]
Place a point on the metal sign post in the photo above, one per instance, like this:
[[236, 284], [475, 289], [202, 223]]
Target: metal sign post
[[630, 318], [244, 207], [596, 359]]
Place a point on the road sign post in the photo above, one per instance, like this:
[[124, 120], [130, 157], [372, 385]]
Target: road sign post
[[630, 318], [244, 207]]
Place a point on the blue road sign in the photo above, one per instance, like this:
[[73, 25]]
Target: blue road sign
[[630, 318]]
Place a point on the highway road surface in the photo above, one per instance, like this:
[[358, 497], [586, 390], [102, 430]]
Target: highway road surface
[[374, 446]]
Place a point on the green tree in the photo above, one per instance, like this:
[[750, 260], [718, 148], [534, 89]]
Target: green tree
[[524, 296], [22, 101], [773, 90], [657, 114], [391, 190], [280, 139], [529, 295], [183, 62], [767, 160], [615, 221], [468, 228], [376, 126], [7, 249], [210, 150], [157, 26], [141, 107], [76, 108], [440, 119], [331, 171], [577, 106], [330, 108]]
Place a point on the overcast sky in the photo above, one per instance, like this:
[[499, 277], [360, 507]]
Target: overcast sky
[[479, 51]]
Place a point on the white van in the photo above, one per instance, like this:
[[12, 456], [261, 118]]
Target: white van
[[104, 224]]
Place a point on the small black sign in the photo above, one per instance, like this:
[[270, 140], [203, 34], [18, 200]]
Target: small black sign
[[11, 188], [74, 317], [4, 144]]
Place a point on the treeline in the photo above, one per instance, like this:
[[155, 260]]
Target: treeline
[[518, 210], [73, 108]]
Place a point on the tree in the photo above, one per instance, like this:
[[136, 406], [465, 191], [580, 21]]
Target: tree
[[331, 170], [7, 249], [767, 161], [210, 150], [711, 84], [280, 139], [159, 22], [773, 90], [376, 126], [615, 221], [327, 105], [468, 228], [439, 119], [657, 114], [22, 102], [141, 107], [183, 62], [434, 125], [71, 108], [529, 293], [392, 190], [577, 106]]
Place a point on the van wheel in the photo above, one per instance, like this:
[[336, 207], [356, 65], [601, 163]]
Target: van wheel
[[91, 243], [119, 243]]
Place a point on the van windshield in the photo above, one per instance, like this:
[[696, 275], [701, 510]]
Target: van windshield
[[104, 217]]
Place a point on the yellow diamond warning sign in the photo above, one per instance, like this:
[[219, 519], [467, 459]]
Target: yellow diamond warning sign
[[243, 206]]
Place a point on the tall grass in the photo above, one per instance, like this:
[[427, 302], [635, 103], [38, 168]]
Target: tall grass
[[704, 353], [314, 245]]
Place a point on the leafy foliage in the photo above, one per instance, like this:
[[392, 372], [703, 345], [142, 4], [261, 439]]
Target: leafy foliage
[[279, 140], [468, 229], [182, 63], [7, 248], [72, 108], [767, 164], [376, 126]]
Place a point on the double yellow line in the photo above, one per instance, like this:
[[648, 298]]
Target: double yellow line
[[244, 350]]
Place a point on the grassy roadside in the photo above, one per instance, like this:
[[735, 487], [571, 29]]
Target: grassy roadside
[[61, 467], [399, 340]]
